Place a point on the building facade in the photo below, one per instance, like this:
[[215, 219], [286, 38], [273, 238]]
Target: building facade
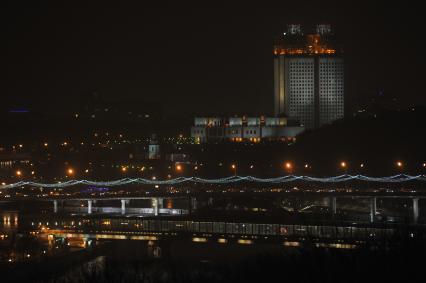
[[243, 129], [308, 77]]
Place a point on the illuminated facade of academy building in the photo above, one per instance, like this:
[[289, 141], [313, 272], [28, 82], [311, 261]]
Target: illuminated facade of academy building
[[308, 76], [308, 91], [244, 129]]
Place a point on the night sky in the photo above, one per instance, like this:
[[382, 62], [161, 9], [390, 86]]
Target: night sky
[[199, 57]]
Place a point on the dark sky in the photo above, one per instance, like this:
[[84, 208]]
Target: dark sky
[[203, 56]]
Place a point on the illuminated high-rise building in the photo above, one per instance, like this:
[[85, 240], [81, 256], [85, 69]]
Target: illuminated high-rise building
[[308, 76]]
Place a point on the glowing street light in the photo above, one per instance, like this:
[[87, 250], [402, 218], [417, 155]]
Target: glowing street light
[[234, 167], [399, 164], [123, 169], [18, 173], [343, 164], [70, 171], [179, 168], [288, 166]]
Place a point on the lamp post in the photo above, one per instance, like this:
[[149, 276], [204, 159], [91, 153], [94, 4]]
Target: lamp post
[[288, 167], [344, 166], [399, 165], [70, 172], [234, 167]]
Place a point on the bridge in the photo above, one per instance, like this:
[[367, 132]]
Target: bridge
[[195, 188], [222, 231], [228, 180]]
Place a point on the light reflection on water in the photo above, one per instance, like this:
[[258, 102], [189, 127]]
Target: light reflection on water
[[9, 221]]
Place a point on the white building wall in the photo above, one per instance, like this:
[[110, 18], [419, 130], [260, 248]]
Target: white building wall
[[199, 133], [251, 132], [235, 121], [233, 132], [331, 90], [300, 90]]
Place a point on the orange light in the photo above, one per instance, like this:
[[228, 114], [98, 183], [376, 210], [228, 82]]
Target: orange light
[[343, 164], [123, 169], [18, 173], [179, 167], [399, 164], [288, 165], [424, 164], [233, 166], [70, 171]]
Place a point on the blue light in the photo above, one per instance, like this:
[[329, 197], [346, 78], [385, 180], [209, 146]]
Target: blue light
[[228, 180]]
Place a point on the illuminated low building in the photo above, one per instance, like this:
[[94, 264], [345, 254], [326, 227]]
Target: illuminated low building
[[244, 129]]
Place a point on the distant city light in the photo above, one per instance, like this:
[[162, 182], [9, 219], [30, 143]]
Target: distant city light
[[343, 164]]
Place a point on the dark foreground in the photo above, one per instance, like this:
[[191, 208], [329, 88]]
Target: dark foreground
[[131, 261]]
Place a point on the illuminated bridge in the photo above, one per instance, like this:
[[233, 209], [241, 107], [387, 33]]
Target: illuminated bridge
[[194, 188], [400, 178]]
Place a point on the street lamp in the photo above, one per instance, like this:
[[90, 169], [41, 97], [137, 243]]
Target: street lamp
[[288, 166], [399, 164], [18, 173], [344, 166], [234, 167], [70, 171], [179, 168]]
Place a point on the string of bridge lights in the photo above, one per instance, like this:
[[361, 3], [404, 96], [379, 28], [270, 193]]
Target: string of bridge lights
[[222, 181]]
